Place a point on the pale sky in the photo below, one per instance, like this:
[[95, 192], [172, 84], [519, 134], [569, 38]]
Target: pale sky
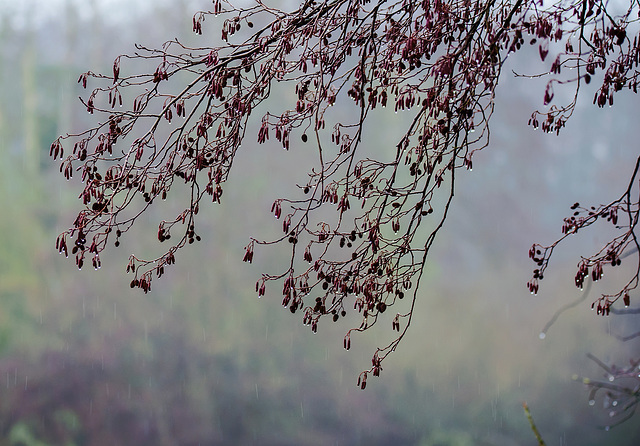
[[20, 11]]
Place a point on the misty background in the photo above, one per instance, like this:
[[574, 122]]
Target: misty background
[[85, 360]]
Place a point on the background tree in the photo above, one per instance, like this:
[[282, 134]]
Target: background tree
[[360, 228]]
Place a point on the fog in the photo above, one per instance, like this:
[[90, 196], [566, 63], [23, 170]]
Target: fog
[[86, 360]]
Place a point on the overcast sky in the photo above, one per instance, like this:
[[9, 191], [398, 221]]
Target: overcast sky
[[21, 11]]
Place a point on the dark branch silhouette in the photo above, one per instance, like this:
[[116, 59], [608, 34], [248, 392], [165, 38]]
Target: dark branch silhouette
[[362, 227]]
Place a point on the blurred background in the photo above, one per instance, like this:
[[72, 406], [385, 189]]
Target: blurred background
[[85, 360]]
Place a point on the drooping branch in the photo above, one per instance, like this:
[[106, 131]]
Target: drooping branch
[[621, 246], [361, 235]]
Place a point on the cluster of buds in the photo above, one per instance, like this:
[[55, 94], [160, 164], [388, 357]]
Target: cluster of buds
[[603, 307], [583, 271], [362, 380], [248, 255], [261, 287], [144, 283]]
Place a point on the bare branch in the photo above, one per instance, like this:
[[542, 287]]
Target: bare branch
[[361, 235]]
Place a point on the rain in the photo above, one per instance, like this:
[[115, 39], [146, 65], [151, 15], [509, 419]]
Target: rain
[[200, 359]]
